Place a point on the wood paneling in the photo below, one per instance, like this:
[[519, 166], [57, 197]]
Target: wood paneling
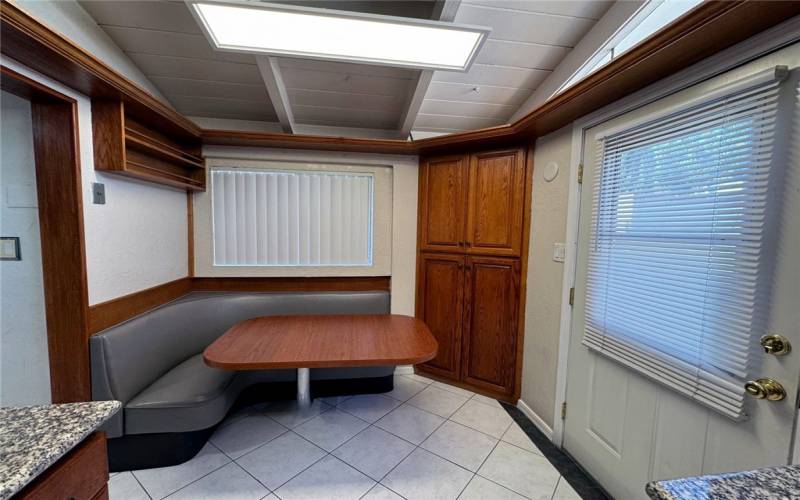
[[324, 341], [490, 323], [320, 284], [112, 312], [81, 474], [440, 304], [58, 186], [443, 189], [495, 202]]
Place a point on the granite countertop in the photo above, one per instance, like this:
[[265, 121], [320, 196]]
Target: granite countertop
[[773, 483], [32, 438]]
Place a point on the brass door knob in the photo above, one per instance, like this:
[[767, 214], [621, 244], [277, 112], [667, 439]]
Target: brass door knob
[[777, 345], [765, 388]]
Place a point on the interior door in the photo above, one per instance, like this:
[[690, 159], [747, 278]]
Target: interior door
[[627, 430], [496, 189], [440, 303], [490, 316], [443, 185]]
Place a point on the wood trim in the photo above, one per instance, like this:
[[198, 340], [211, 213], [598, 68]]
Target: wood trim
[[38, 47], [332, 284], [115, 311], [709, 28], [190, 231], [523, 279], [307, 142], [112, 312], [58, 185]]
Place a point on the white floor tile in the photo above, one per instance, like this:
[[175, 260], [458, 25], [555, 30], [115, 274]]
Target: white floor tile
[[462, 445], [335, 400], [165, 480], [524, 472], [565, 492], [485, 418], [411, 424], [483, 489], [288, 414], [331, 429], [516, 436], [330, 478], [438, 401], [424, 475], [281, 459], [246, 434], [124, 486], [480, 398], [227, 483], [374, 452], [369, 407], [381, 492], [419, 378], [453, 389], [247, 411], [405, 388]]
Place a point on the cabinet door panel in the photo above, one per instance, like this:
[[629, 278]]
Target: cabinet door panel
[[443, 183], [496, 191], [490, 329], [440, 302]]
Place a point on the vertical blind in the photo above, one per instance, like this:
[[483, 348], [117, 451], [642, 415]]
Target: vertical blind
[[292, 218], [677, 255]]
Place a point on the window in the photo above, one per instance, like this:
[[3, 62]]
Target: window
[[291, 218], [652, 17], [678, 249]]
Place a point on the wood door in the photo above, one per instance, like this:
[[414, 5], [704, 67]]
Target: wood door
[[490, 323], [443, 188], [440, 303], [495, 206]]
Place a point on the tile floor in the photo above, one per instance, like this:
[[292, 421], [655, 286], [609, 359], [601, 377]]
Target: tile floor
[[423, 440]]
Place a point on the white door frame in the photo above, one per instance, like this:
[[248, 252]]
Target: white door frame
[[753, 48]]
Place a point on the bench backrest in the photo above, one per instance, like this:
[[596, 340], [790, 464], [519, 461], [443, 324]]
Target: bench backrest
[[128, 357]]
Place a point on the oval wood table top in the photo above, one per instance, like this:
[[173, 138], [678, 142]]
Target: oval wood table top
[[322, 342]]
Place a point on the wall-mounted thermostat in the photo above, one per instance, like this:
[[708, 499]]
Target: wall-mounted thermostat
[[9, 248]]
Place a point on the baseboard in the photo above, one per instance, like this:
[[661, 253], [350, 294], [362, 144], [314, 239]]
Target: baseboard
[[404, 370], [536, 419]]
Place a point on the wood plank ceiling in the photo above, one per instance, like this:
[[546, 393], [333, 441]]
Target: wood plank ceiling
[[528, 40]]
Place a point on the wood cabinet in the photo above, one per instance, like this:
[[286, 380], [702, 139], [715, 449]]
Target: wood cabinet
[[469, 280], [473, 203], [82, 474]]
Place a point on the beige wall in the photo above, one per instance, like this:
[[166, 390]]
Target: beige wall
[[543, 298]]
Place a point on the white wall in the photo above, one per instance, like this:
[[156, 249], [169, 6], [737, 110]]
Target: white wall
[[69, 19], [24, 365], [139, 238], [403, 213]]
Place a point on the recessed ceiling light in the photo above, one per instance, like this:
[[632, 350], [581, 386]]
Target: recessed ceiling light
[[337, 35]]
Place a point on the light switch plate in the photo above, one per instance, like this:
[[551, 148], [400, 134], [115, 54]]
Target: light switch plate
[[9, 248], [559, 252], [98, 193]]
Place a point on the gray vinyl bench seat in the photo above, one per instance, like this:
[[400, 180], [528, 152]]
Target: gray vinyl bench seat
[[153, 363]]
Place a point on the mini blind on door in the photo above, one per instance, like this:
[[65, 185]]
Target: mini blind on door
[[678, 252], [292, 218]]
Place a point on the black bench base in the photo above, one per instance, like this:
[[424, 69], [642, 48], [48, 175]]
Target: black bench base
[[145, 451]]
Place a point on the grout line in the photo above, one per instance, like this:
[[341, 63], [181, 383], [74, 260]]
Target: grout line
[[140, 485], [208, 443]]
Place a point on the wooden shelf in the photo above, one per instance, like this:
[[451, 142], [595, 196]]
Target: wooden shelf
[[126, 147]]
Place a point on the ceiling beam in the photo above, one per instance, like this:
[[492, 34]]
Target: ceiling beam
[[271, 74], [443, 10]]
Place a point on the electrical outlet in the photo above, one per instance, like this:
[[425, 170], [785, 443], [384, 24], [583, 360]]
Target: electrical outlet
[[98, 193]]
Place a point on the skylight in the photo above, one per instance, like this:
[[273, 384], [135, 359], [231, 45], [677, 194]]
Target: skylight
[[337, 35]]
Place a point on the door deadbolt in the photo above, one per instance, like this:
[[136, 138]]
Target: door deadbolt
[[777, 345], [765, 388]]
